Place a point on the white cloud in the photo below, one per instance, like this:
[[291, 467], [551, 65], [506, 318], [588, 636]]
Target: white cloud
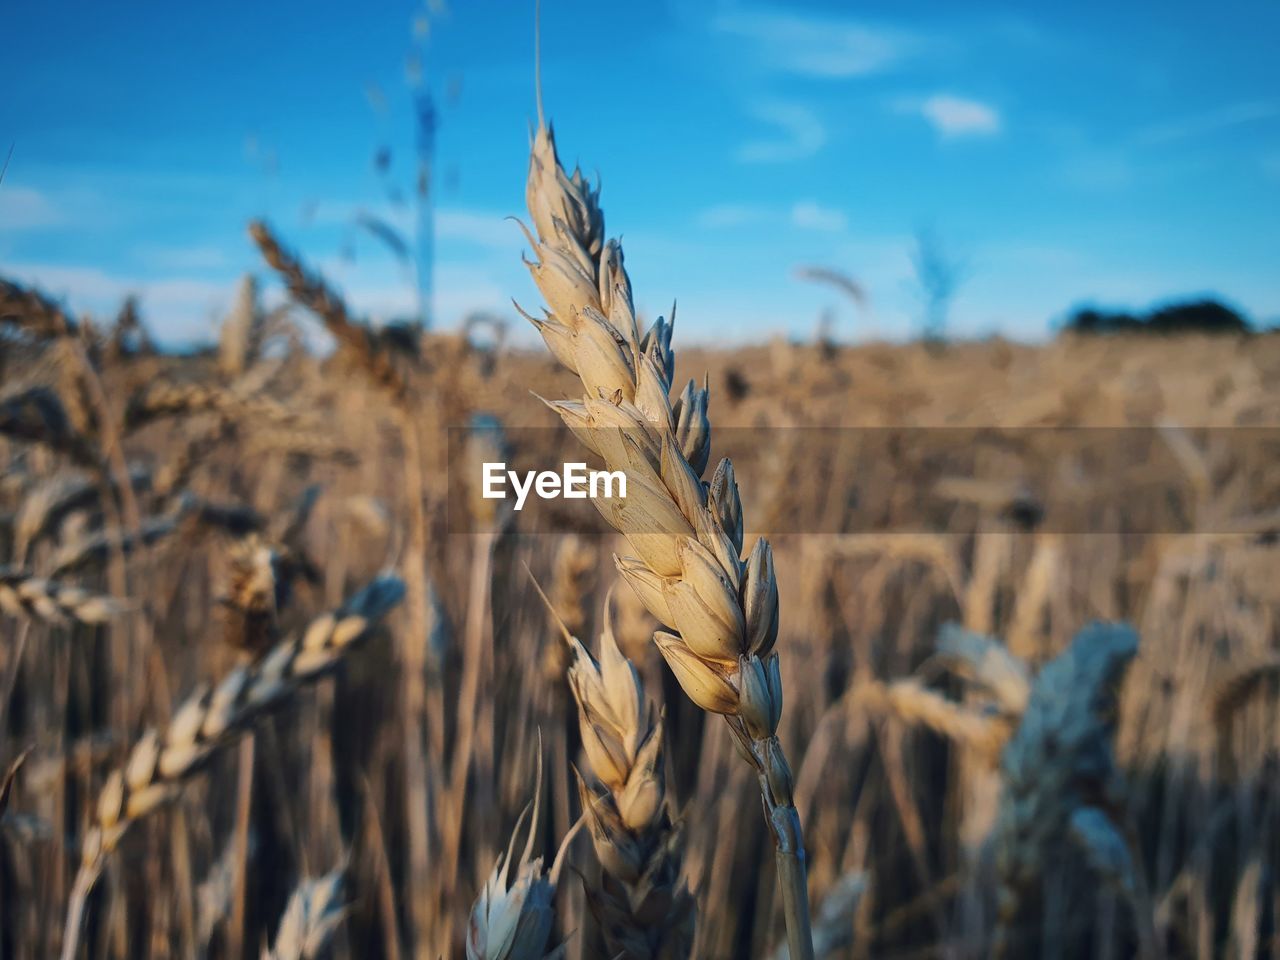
[[954, 116], [22, 208], [199, 257], [801, 133], [495, 231], [723, 216], [810, 215], [1098, 169], [814, 46], [801, 215], [176, 308], [1200, 125]]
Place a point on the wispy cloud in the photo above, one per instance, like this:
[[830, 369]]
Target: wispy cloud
[[1098, 169], [954, 116], [811, 215], [722, 216], [494, 231], [1203, 124], [814, 45], [198, 257], [182, 307], [801, 215], [24, 208], [800, 133]]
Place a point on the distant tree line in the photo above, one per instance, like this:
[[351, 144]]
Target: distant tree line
[[1198, 316]]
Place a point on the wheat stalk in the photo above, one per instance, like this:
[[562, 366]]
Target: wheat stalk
[[163, 761], [687, 535], [315, 910], [23, 594], [643, 910], [11, 774], [354, 338]]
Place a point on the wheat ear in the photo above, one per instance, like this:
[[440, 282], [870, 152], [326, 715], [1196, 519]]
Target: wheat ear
[[687, 534], [353, 337], [162, 761], [33, 314], [311, 917], [643, 909], [23, 594], [242, 333], [56, 498], [1060, 781], [161, 398], [512, 917]]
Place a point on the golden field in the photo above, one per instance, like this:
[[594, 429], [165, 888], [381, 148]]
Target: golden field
[[192, 738]]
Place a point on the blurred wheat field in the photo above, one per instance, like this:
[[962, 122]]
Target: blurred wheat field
[[174, 530]]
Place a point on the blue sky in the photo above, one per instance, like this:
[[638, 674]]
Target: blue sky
[[1063, 153]]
